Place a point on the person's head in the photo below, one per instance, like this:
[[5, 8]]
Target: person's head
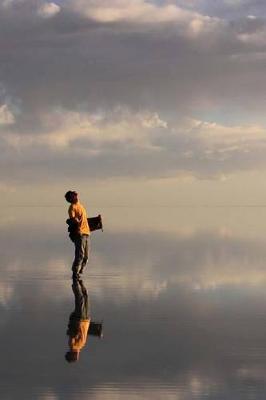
[[71, 196], [72, 356]]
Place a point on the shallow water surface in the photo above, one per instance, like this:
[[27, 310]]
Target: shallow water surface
[[180, 292]]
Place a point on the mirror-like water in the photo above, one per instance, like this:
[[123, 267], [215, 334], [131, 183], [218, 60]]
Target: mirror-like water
[[180, 293]]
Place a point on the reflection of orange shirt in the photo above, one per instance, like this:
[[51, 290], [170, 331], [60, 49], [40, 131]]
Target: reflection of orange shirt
[[78, 342], [78, 212]]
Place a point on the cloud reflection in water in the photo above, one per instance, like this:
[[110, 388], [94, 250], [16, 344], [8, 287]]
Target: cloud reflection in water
[[183, 315]]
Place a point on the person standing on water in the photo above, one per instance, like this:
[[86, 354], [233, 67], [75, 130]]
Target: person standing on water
[[81, 236]]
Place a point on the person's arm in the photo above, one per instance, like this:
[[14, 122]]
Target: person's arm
[[72, 214]]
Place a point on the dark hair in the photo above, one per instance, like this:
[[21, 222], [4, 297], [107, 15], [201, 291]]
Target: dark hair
[[71, 356], [70, 195]]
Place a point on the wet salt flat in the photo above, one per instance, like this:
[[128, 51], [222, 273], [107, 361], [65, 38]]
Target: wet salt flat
[[180, 291]]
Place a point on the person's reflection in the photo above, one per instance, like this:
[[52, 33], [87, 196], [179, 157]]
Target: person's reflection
[[80, 324]]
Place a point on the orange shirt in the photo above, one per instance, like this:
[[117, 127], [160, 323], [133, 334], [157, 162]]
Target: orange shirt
[[78, 212], [78, 342]]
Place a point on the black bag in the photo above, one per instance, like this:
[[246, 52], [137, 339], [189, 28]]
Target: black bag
[[96, 329], [95, 223]]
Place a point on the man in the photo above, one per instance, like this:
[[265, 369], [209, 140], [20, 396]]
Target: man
[[79, 322], [78, 218], [80, 325]]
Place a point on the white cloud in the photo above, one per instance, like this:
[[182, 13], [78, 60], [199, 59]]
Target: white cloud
[[152, 120], [125, 126], [256, 38], [65, 127], [226, 138], [146, 141], [48, 10], [6, 115], [141, 12], [119, 126], [132, 10]]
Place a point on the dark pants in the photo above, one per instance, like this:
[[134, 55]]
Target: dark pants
[[82, 308], [81, 300], [82, 249]]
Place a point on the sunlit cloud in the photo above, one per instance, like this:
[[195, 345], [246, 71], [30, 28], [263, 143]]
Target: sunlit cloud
[[48, 10], [6, 115], [152, 144], [139, 12], [138, 89], [64, 128]]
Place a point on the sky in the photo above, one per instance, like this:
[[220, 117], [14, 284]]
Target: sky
[[133, 101]]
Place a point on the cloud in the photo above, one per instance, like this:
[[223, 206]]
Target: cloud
[[65, 129], [223, 138], [10, 3], [131, 144], [251, 30], [6, 115], [200, 260], [146, 14], [227, 9], [193, 386], [257, 38], [138, 11], [79, 62], [48, 10], [192, 355], [112, 85]]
